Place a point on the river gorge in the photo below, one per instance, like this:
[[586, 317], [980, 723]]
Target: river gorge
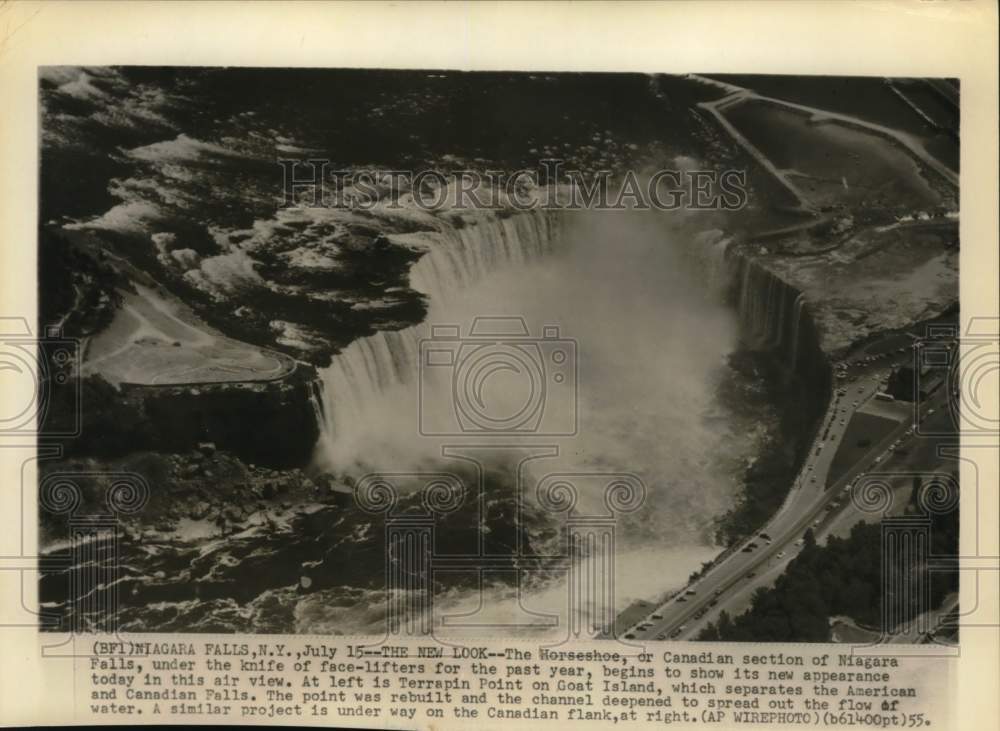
[[658, 313]]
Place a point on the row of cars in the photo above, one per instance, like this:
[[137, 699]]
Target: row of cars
[[750, 547], [840, 393], [842, 366], [647, 624], [766, 538], [763, 537], [895, 446], [826, 432]]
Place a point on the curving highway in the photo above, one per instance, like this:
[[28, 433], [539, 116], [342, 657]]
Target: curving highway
[[759, 560]]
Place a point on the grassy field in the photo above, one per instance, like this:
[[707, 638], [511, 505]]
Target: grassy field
[[864, 432], [155, 340]]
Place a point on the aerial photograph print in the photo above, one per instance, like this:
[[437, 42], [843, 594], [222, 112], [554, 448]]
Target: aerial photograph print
[[627, 356]]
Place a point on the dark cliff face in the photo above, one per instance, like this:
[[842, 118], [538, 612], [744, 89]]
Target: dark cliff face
[[780, 339], [274, 423], [777, 319]]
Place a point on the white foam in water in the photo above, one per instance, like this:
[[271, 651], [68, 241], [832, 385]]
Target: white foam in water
[[651, 349]]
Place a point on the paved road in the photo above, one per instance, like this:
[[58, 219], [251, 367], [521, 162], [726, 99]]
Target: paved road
[[734, 578]]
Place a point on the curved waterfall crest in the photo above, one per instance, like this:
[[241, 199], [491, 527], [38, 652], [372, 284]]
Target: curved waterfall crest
[[774, 315], [455, 258]]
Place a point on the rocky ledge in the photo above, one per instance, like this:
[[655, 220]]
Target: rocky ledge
[[273, 423]]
